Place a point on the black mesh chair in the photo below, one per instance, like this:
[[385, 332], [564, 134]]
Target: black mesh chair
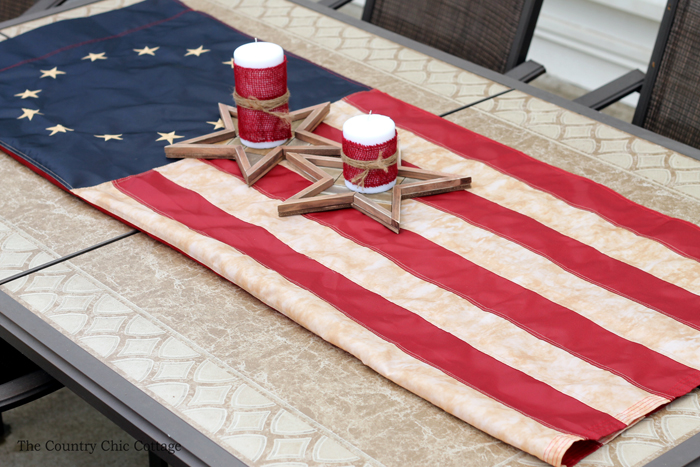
[[495, 34], [13, 8], [669, 101]]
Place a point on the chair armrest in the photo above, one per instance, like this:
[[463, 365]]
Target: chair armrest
[[526, 71], [334, 4], [613, 91]]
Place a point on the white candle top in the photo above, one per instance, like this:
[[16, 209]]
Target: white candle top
[[258, 55], [369, 130]]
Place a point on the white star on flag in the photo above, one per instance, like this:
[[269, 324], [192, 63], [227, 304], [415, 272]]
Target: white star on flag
[[58, 129], [217, 124], [51, 73], [169, 137], [108, 137], [147, 50], [29, 113], [230, 62], [198, 51], [93, 57], [28, 93]]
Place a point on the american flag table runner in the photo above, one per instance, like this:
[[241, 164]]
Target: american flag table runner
[[538, 306]]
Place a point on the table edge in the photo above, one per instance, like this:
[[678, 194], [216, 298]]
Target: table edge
[[686, 454]]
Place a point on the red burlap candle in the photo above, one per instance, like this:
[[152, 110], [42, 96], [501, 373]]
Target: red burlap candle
[[262, 84], [370, 169]]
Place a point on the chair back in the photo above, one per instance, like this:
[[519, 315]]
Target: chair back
[[10, 9], [495, 34], [669, 103]]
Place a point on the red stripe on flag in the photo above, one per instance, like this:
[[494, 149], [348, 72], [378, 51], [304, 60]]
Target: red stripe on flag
[[580, 192], [392, 323], [535, 314]]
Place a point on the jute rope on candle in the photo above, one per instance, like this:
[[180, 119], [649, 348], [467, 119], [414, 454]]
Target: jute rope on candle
[[378, 164], [266, 106]]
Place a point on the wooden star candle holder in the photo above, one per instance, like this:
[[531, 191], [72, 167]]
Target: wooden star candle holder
[[318, 161], [313, 199]]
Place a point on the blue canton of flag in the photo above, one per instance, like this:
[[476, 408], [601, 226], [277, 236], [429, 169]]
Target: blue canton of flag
[[95, 99]]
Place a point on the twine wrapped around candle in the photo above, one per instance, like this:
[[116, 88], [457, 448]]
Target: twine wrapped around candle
[[266, 106], [380, 163]]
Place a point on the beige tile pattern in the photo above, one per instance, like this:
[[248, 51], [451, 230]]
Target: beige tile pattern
[[222, 402], [659, 167], [19, 252], [74, 301]]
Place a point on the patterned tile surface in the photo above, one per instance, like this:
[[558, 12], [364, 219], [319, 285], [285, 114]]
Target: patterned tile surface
[[244, 413], [642, 443], [19, 252]]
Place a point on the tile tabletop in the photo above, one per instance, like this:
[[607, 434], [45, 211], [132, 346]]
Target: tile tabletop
[[256, 383]]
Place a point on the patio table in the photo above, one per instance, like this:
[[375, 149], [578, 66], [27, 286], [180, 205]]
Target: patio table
[[135, 322]]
